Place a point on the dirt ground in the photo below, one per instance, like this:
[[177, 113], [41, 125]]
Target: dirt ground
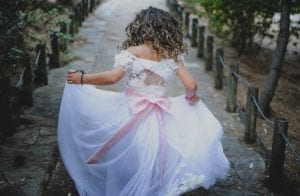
[[285, 104]]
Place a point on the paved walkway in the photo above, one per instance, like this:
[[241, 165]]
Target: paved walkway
[[96, 44]]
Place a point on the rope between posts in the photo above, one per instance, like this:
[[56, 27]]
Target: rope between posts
[[290, 147], [244, 81], [19, 83], [260, 111], [21, 77], [224, 65], [37, 58]]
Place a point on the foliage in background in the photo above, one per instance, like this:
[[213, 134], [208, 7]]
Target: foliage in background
[[295, 30], [16, 17], [240, 21], [24, 23]]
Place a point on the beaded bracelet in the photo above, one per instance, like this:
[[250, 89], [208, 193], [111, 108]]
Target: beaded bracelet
[[81, 78], [82, 73]]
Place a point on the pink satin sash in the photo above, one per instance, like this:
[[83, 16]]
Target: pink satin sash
[[140, 106]]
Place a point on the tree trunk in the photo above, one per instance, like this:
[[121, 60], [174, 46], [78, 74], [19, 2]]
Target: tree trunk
[[277, 58]]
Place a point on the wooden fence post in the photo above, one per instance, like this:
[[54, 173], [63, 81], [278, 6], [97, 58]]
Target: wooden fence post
[[201, 39], [180, 10], [40, 73], [172, 2], [72, 24], [194, 32], [63, 29], [79, 14], [176, 5], [76, 20], [187, 23], [169, 3], [83, 2], [82, 11], [86, 8], [92, 5], [219, 69], [232, 82], [278, 153], [8, 126], [251, 113], [54, 57], [209, 52]]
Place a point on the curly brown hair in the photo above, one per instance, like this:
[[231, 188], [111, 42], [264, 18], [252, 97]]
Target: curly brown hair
[[158, 29]]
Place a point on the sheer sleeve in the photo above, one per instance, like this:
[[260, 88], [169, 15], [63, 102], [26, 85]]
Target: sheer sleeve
[[181, 59], [124, 60], [173, 65]]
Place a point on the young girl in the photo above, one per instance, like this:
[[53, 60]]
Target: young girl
[[140, 142]]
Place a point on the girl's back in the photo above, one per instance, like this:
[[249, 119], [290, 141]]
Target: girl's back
[[146, 70]]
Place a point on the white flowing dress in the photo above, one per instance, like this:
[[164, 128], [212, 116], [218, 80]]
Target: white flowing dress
[[138, 142]]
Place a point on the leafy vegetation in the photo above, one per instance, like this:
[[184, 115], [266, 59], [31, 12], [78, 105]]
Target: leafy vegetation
[[240, 21], [24, 24], [15, 38]]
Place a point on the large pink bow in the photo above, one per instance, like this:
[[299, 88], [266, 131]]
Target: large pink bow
[[140, 106]]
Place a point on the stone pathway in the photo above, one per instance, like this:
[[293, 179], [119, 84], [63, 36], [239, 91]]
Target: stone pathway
[[96, 44]]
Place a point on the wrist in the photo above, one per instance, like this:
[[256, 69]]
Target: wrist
[[82, 76], [190, 97]]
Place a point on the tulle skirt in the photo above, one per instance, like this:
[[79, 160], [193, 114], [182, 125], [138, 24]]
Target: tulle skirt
[[136, 164]]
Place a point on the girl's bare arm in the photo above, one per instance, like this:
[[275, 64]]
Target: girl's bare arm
[[107, 77], [189, 83]]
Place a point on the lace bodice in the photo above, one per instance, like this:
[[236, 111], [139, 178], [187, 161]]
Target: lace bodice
[[146, 75]]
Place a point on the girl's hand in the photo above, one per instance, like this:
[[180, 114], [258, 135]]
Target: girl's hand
[[73, 77], [192, 100]]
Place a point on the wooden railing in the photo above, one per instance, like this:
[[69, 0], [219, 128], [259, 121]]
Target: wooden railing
[[35, 73], [214, 60]]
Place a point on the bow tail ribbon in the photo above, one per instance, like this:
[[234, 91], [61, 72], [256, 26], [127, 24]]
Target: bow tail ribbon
[[122, 132], [162, 141]]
